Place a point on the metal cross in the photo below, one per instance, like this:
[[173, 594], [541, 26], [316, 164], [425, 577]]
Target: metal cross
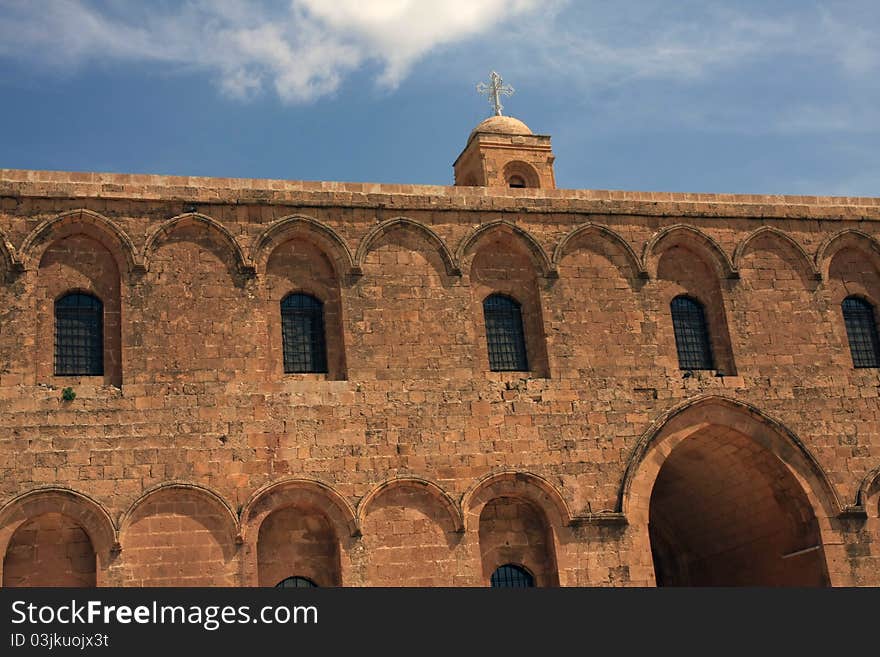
[[494, 90]]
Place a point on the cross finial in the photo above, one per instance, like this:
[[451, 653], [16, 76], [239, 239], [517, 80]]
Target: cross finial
[[494, 90]]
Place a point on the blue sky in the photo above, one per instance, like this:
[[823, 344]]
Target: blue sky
[[649, 95]]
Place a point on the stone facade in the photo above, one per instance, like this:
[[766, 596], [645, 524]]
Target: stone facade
[[195, 460]]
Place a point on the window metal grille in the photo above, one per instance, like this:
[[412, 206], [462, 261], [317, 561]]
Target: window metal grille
[[691, 334], [512, 576], [861, 329], [79, 335], [504, 334], [296, 583], [302, 334]]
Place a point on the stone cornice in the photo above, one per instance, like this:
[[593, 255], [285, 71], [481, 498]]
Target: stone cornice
[[17, 183]]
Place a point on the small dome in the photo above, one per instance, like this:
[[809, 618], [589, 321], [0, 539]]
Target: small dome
[[502, 125]]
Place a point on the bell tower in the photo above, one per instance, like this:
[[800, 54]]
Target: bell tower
[[502, 152]]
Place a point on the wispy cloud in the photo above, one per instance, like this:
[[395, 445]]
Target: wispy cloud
[[757, 68], [303, 48], [846, 183], [650, 41], [730, 64], [658, 49]]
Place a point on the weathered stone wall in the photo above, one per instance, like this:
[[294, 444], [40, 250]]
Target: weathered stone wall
[[409, 462]]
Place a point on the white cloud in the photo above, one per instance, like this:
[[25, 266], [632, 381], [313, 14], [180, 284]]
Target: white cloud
[[303, 49], [401, 31], [63, 32]]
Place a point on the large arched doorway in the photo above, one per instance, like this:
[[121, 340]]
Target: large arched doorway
[[726, 511]]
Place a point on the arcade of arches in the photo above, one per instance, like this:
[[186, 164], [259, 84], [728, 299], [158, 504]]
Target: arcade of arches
[[398, 435], [724, 510]]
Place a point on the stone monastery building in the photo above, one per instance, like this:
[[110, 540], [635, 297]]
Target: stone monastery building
[[211, 381]]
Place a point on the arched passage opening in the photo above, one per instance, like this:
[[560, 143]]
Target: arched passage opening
[[725, 511], [718, 493]]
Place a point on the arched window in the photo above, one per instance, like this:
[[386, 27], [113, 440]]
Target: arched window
[[296, 583], [512, 576], [691, 334], [861, 329], [521, 174], [302, 334], [504, 334], [79, 335]]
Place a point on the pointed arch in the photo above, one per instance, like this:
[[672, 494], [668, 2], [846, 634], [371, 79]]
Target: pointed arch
[[522, 485], [696, 414], [84, 510], [770, 231], [544, 265], [389, 225], [214, 499], [167, 228], [295, 225], [419, 484], [849, 237], [92, 224], [609, 236], [688, 236], [294, 492]]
